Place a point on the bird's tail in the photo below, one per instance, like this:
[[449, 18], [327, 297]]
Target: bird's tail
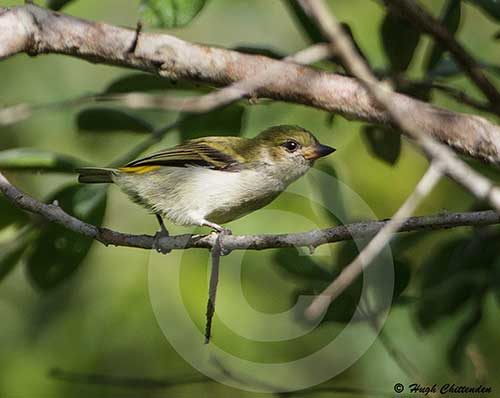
[[95, 175]]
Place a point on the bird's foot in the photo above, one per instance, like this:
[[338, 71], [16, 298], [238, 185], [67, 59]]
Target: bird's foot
[[221, 231], [162, 233], [157, 244]]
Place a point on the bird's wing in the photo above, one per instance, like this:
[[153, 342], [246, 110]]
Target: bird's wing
[[210, 152]]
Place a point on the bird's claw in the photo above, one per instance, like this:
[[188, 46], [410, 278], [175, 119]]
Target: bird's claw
[[157, 244]]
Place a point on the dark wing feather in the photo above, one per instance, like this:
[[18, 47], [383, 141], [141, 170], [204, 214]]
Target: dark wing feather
[[193, 153]]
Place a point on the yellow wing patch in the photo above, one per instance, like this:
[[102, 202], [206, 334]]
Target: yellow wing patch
[[138, 169]]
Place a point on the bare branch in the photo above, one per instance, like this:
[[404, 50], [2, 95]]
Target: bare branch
[[307, 239], [34, 30], [424, 21]]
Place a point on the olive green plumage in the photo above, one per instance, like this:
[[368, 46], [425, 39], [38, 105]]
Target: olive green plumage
[[213, 180]]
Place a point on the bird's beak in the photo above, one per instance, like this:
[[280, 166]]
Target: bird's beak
[[318, 151]]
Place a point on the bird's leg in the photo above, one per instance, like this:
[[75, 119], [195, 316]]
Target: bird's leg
[[221, 231], [163, 232]]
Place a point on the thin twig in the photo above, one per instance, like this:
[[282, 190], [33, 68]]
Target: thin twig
[[452, 92], [307, 239]]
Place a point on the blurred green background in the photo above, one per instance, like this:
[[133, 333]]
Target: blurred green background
[[100, 319]]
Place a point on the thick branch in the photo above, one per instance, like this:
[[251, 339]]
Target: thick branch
[[34, 30], [309, 239]]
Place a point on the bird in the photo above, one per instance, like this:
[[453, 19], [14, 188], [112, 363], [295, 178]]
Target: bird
[[211, 181]]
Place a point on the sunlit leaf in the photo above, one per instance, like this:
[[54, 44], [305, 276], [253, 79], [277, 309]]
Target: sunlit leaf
[[222, 121], [107, 120], [450, 19], [383, 143], [399, 40], [58, 252], [170, 13], [35, 159]]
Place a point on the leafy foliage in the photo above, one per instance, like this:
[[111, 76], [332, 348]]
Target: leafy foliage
[[11, 251], [315, 279], [132, 82], [107, 120], [309, 27], [384, 143], [455, 279], [58, 252], [450, 19], [170, 13], [490, 7], [57, 5], [399, 40], [222, 121], [34, 159], [10, 214]]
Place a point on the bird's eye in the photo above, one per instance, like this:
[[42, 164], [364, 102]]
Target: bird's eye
[[291, 146]]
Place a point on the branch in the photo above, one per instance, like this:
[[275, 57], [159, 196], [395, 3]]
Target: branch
[[309, 239], [401, 116], [422, 20], [443, 160], [376, 245], [452, 92], [34, 30]]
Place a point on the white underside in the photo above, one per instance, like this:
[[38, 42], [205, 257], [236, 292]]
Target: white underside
[[188, 195]]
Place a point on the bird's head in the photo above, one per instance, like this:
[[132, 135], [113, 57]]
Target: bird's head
[[291, 150]]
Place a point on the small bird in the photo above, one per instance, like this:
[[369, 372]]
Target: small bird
[[213, 180]]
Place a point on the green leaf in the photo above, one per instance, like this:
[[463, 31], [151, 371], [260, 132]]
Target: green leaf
[[141, 82], [170, 13], [447, 67], [301, 266], [383, 143], [331, 194], [399, 40], [222, 121], [309, 27], [257, 50], [490, 7], [457, 349], [402, 276], [57, 5], [450, 19], [58, 252], [107, 120], [10, 214], [35, 159], [446, 299], [11, 252]]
